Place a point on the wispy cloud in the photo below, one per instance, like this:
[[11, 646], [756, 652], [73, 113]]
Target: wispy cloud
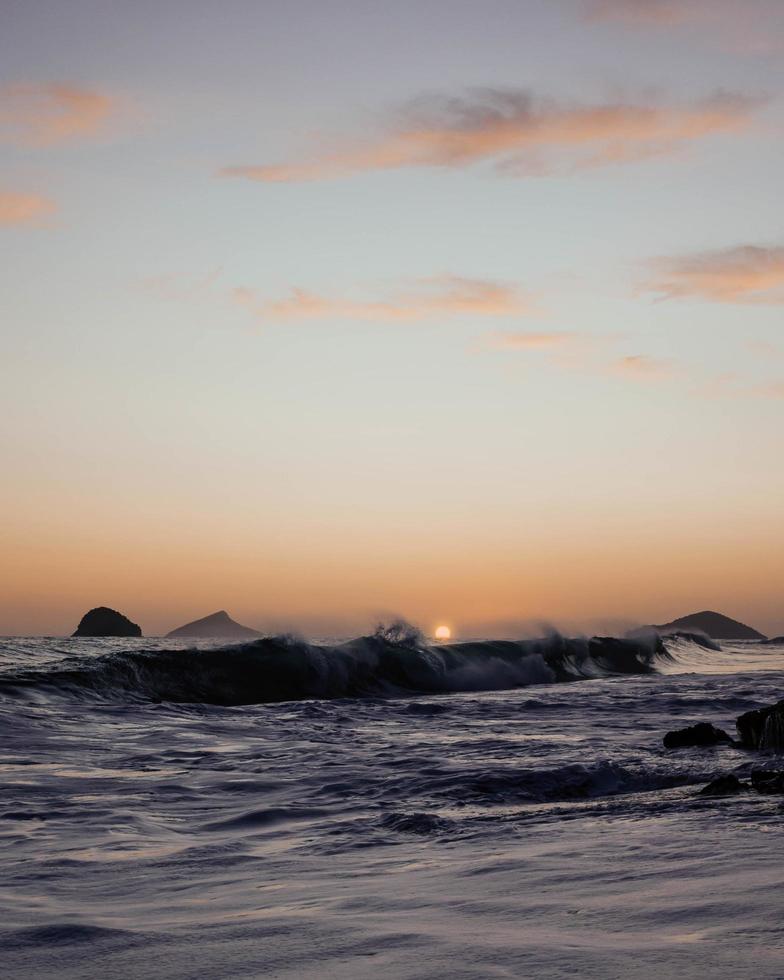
[[520, 134], [755, 27], [773, 390], [585, 353], [24, 209], [425, 299], [764, 348], [582, 352], [642, 367], [592, 355], [642, 12], [41, 115], [746, 274], [529, 341], [182, 288]]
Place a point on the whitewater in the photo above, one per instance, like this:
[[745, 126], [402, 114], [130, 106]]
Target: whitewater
[[383, 806]]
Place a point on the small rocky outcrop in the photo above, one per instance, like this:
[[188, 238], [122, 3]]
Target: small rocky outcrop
[[762, 728], [724, 786], [103, 621], [767, 780], [701, 734]]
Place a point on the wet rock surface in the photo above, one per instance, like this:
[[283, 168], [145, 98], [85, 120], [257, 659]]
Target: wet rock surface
[[724, 786], [768, 780], [701, 734], [763, 728]]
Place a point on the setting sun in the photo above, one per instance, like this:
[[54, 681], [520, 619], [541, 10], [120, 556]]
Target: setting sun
[[443, 633]]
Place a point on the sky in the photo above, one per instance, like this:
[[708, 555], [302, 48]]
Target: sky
[[331, 311]]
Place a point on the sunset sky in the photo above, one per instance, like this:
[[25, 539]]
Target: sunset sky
[[322, 311]]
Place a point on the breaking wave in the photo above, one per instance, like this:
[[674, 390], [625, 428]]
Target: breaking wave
[[392, 662]]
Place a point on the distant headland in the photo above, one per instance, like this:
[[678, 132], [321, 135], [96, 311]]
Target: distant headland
[[713, 624], [103, 621], [218, 625]]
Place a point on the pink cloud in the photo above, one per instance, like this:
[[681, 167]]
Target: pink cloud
[[641, 12], [746, 274], [41, 115], [756, 27], [773, 390], [428, 299], [24, 209], [521, 135]]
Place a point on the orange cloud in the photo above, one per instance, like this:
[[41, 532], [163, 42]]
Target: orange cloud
[[529, 341], [747, 274], [521, 135], [583, 353], [40, 115], [24, 209], [430, 298]]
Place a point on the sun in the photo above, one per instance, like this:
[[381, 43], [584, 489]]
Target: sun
[[443, 633]]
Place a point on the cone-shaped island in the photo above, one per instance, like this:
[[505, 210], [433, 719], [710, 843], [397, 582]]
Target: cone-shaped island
[[219, 626]]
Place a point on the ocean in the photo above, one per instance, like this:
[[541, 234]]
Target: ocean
[[383, 807]]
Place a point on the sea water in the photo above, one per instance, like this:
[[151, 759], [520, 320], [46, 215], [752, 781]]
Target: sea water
[[287, 809]]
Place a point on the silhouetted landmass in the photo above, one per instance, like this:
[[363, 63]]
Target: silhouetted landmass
[[217, 626], [103, 621], [713, 624]]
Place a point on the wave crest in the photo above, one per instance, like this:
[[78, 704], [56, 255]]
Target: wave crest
[[394, 661]]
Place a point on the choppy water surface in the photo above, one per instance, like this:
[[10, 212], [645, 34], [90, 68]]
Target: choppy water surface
[[279, 809]]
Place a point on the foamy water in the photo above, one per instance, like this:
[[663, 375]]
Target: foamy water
[[157, 820]]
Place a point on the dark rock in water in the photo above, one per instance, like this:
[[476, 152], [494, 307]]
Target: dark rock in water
[[774, 639], [763, 728], [767, 780], [723, 786], [715, 625], [700, 734], [218, 626], [102, 621]]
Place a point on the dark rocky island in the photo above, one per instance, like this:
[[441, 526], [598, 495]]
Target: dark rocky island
[[103, 621], [218, 626], [714, 625]]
